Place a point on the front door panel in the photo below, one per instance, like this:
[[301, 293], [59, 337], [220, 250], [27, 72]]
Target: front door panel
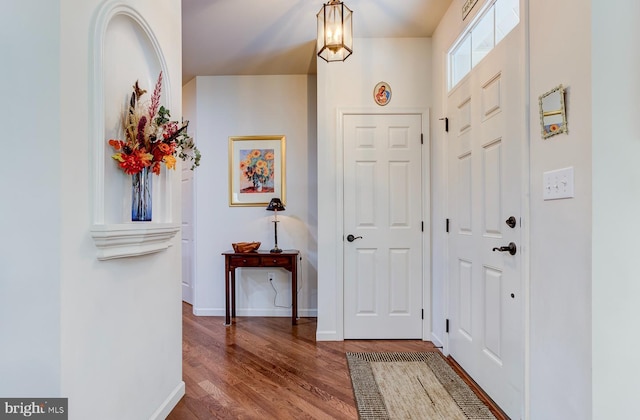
[[485, 143]]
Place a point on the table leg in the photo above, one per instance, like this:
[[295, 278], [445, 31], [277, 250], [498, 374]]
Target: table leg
[[233, 293], [227, 317], [294, 291]]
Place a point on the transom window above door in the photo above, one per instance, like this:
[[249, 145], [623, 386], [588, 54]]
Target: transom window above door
[[488, 28]]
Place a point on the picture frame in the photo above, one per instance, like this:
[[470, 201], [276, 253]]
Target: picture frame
[[553, 116], [382, 93], [256, 170]]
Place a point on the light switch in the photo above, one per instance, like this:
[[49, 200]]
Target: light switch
[[557, 184]]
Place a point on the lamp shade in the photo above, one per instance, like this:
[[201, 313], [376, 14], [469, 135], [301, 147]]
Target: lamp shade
[[275, 205], [335, 31]]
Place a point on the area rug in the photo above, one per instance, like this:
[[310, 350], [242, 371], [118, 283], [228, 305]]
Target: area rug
[[411, 386]]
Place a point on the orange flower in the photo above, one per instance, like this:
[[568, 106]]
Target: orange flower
[[133, 163], [116, 144], [165, 148]]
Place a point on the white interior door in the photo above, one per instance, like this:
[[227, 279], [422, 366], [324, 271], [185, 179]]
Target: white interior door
[[188, 232], [382, 210], [485, 143]]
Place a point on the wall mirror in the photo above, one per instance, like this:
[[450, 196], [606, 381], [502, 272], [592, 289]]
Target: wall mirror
[[553, 118]]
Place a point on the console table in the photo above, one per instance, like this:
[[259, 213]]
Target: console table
[[287, 259]]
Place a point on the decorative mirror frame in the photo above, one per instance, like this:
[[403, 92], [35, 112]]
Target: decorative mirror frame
[[553, 120]]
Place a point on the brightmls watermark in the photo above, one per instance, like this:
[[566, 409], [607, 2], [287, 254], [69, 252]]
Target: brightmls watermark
[[36, 408]]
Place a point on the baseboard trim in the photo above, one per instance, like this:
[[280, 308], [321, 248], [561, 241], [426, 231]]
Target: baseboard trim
[[169, 404], [328, 336], [436, 341], [208, 312]]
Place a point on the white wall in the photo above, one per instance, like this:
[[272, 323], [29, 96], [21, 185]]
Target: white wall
[[242, 106], [30, 209], [405, 64], [616, 205], [107, 335], [560, 336]]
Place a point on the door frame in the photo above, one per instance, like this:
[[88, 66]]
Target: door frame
[[525, 202], [426, 209]]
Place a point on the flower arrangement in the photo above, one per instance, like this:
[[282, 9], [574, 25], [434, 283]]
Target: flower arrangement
[[151, 138], [257, 167]]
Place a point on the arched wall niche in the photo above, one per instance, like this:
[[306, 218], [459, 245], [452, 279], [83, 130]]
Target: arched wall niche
[[125, 49]]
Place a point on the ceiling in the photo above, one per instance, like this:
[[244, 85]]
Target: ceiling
[[258, 37]]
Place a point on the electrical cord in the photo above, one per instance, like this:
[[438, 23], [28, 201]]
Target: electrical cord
[[275, 298], [299, 288]]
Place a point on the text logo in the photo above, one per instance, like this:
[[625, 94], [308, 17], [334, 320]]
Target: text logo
[[34, 408]]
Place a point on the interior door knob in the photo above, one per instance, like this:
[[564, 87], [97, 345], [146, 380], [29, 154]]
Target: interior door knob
[[511, 248], [352, 238]]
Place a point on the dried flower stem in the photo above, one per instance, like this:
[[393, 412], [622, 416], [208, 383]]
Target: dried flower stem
[[155, 98]]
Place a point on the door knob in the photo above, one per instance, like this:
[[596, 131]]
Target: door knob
[[511, 248], [352, 238]]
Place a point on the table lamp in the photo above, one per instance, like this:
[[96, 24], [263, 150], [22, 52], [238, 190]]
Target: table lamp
[[275, 205]]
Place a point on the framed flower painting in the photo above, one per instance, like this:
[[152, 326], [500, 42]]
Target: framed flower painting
[[256, 170]]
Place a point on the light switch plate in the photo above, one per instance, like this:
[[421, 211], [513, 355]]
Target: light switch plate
[[558, 184]]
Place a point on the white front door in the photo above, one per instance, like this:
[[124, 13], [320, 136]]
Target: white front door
[[382, 212], [486, 140]]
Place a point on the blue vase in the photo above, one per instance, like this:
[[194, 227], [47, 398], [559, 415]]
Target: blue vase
[[141, 196]]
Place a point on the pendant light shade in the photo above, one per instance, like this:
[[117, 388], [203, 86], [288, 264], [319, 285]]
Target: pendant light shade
[[335, 32]]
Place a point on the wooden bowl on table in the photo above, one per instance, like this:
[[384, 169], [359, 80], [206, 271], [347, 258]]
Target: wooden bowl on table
[[243, 247]]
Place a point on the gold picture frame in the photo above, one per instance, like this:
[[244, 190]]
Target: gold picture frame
[[256, 170]]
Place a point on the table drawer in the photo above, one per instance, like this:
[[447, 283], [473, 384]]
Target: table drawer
[[276, 261], [248, 261]]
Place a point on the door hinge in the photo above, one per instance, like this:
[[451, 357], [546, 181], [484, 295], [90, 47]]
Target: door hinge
[[422, 316], [446, 326], [446, 123], [421, 138], [422, 226], [447, 226]]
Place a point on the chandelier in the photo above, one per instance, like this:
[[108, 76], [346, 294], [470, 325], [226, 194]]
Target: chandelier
[[335, 32]]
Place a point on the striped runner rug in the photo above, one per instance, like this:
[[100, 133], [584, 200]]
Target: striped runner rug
[[411, 386]]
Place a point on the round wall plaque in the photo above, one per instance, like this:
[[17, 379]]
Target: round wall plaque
[[382, 93]]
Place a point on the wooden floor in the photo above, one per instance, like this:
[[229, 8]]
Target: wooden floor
[[265, 368]]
